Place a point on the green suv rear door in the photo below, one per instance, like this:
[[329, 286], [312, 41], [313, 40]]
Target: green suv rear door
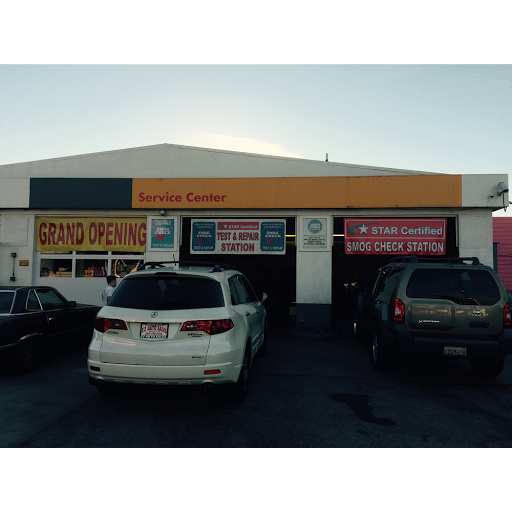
[[455, 302]]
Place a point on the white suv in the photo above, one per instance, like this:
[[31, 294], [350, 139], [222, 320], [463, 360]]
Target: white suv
[[179, 323]]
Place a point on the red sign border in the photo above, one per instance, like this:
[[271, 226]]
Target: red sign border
[[399, 244]]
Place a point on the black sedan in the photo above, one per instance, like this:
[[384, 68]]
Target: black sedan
[[33, 318]]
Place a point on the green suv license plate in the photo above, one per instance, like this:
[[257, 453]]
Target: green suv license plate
[[454, 351]]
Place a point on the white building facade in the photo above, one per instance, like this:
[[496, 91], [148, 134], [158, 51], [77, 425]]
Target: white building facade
[[305, 232]]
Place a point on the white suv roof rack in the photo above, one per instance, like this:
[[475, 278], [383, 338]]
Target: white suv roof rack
[[215, 266]]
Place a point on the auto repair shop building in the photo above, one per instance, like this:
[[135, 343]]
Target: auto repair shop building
[[308, 233]]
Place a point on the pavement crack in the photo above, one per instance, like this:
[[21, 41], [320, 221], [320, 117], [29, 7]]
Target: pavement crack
[[360, 404]]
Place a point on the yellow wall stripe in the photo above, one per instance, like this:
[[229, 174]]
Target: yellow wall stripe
[[410, 191]]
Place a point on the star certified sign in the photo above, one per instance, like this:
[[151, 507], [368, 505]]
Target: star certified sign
[[238, 236], [421, 236]]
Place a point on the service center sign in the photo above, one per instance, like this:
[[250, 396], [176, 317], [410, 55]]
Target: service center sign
[[238, 236], [395, 236]]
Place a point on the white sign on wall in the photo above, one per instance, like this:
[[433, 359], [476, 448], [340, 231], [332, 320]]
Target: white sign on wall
[[315, 234]]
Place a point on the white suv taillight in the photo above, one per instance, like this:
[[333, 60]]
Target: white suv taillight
[[104, 324], [507, 316], [209, 326], [399, 312]]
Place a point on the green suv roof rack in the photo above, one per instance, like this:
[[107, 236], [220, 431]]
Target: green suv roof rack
[[216, 265], [415, 259]]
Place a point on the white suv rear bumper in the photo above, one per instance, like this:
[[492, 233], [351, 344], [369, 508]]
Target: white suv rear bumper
[[168, 375]]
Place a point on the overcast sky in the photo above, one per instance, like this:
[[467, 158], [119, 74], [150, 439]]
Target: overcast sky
[[440, 118]]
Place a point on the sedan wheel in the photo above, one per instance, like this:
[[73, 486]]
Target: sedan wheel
[[26, 357]]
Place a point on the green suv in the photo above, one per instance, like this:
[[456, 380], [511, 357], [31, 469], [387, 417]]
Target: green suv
[[453, 307]]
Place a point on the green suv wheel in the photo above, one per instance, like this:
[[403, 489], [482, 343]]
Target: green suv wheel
[[380, 356], [487, 367], [359, 335]]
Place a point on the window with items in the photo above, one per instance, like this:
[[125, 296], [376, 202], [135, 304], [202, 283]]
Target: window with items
[[74, 264], [88, 247]]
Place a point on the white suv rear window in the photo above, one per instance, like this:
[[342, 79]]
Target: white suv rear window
[[168, 293]]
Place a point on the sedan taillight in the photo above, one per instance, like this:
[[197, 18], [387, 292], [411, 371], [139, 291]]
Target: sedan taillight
[[507, 316], [209, 326], [399, 312], [104, 324]]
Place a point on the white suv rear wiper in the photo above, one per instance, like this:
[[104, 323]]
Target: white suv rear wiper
[[173, 305]]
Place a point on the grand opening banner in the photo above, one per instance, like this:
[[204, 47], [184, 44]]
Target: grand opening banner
[[238, 236], [91, 234], [398, 236]]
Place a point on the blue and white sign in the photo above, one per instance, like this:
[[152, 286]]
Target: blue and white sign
[[273, 236], [238, 236], [202, 237], [162, 235]]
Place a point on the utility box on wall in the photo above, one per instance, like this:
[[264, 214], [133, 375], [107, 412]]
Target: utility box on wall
[[16, 245]]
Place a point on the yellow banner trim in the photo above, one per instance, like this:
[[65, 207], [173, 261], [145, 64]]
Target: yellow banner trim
[[409, 191], [91, 234]]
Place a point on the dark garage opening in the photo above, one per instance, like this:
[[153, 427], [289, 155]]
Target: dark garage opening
[[351, 272], [274, 275]]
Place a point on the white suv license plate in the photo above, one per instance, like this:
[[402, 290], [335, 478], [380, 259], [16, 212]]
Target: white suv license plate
[[454, 351], [154, 331]]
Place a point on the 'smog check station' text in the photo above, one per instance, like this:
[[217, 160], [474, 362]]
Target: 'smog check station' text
[[395, 236]]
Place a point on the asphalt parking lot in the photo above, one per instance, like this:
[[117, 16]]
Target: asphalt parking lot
[[319, 393]]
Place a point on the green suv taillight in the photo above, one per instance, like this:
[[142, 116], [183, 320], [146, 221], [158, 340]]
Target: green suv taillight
[[507, 316], [399, 312]]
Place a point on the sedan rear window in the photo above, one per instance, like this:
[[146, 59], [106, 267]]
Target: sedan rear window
[[177, 292], [470, 287], [6, 300]]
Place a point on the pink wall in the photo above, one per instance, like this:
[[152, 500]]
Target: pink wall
[[502, 233]]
